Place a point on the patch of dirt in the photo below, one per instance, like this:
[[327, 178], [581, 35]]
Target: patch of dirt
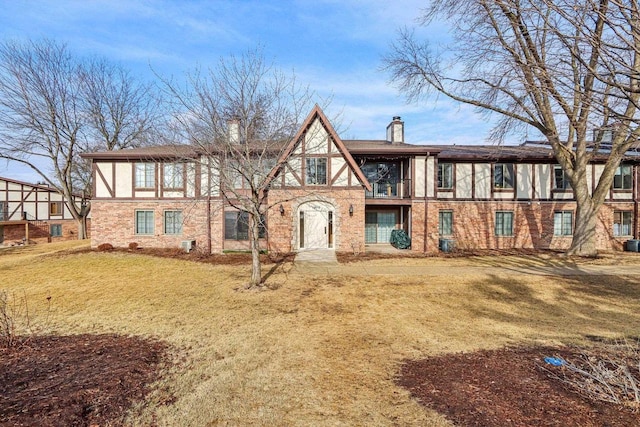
[[508, 387], [80, 380], [234, 258]]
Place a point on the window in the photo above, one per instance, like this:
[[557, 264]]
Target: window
[[173, 175], [55, 230], [503, 175], [445, 175], [560, 179], [236, 226], [622, 178], [316, 171], [144, 222], [504, 223], [563, 223], [172, 222], [445, 223], [55, 208], [145, 175], [622, 223]]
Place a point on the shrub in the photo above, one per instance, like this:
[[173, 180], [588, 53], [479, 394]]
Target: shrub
[[133, 246], [608, 372], [105, 247]]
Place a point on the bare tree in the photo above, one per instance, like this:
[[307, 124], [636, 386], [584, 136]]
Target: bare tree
[[241, 115], [54, 106], [566, 68]]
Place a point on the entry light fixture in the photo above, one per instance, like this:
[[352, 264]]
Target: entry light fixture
[[350, 210], [281, 209]]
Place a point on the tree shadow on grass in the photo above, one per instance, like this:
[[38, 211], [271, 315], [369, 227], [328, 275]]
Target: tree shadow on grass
[[568, 305]]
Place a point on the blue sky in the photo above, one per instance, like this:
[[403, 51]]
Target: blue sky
[[334, 46]]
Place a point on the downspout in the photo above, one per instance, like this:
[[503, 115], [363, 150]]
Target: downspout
[[635, 202], [426, 205]]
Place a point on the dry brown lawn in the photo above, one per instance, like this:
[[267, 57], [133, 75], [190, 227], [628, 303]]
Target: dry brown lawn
[[318, 350]]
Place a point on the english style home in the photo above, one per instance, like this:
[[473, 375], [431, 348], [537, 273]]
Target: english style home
[[34, 213], [348, 194]]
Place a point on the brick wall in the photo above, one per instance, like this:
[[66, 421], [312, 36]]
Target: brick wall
[[114, 222], [533, 225], [14, 234], [348, 229]]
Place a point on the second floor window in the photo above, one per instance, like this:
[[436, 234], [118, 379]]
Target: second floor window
[[622, 179], [316, 171], [445, 175], [560, 179], [145, 175], [503, 175], [173, 175], [55, 208]]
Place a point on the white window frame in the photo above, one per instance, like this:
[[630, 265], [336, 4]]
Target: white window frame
[[445, 176], [557, 169], [173, 176], [312, 177], [563, 223], [622, 223], [508, 178], [619, 181], [145, 175]]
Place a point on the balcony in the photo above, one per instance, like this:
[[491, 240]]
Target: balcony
[[400, 189]]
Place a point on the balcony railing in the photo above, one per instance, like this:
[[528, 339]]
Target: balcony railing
[[400, 189]]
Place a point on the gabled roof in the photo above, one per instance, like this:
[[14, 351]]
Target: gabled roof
[[44, 187], [317, 112]]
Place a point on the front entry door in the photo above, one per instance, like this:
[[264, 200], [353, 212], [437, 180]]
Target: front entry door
[[315, 229]]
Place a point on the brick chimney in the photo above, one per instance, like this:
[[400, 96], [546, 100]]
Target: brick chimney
[[395, 131]]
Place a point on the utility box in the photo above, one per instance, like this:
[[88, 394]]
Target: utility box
[[188, 245]]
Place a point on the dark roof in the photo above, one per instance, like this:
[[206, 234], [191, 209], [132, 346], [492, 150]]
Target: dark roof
[[496, 152], [382, 147], [531, 151], [176, 151]]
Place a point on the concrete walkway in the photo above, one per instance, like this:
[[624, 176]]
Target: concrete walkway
[[325, 257]]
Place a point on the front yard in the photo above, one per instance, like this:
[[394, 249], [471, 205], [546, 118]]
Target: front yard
[[319, 349]]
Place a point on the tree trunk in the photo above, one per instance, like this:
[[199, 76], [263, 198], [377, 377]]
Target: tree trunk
[[82, 227], [254, 239], [584, 234]]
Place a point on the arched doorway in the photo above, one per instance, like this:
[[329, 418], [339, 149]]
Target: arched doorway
[[316, 222]]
